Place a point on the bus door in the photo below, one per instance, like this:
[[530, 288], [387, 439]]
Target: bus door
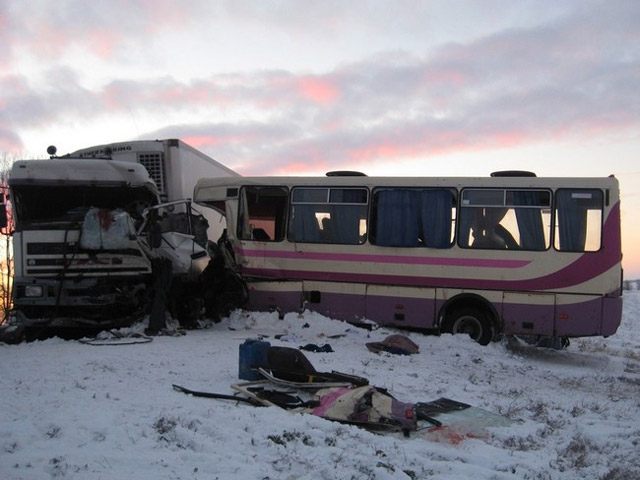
[[261, 225], [528, 313]]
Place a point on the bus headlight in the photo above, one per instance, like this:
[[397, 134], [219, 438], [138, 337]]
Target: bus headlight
[[33, 291]]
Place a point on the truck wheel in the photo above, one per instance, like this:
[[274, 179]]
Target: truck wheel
[[229, 292], [471, 321], [235, 293], [13, 334]]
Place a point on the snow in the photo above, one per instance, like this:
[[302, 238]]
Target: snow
[[71, 410]]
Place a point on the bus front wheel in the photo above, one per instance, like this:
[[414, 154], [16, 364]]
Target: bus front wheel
[[471, 321]]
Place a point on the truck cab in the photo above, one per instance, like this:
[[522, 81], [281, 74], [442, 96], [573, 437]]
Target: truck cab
[[84, 252]]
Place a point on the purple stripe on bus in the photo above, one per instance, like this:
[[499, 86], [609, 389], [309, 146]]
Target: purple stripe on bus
[[397, 259], [365, 278], [587, 266]]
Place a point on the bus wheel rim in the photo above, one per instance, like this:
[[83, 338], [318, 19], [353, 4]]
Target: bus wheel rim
[[469, 325]]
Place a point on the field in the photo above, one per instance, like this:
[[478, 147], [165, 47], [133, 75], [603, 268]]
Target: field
[[72, 410]]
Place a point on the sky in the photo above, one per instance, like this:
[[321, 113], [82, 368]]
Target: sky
[[282, 87]]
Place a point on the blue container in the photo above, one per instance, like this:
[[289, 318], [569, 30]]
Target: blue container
[[253, 355]]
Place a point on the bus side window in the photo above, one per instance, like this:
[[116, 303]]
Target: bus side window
[[412, 217], [500, 219], [328, 215], [262, 213], [578, 217]]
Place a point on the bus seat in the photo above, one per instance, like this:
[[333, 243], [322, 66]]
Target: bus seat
[[489, 239], [506, 236], [326, 234]]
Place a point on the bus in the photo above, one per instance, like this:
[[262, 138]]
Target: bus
[[507, 254]]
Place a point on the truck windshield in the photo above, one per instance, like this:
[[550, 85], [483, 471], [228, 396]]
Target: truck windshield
[[37, 203]]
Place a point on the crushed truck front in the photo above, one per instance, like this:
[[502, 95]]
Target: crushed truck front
[[77, 258]]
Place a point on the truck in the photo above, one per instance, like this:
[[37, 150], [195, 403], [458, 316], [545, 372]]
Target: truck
[[98, 245]]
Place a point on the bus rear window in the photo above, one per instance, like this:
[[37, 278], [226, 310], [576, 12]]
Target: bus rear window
[[505, 219], [578, 220], [329, 215]]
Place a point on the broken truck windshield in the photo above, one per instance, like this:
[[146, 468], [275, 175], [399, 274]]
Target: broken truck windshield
[[36, 203]]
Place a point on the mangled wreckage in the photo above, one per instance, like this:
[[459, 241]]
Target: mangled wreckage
[[97, 244], [284, 377]]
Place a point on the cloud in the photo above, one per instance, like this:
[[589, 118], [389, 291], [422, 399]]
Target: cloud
[[576, 76], [25, 105], [317, 90], [309, 33], [9, 141], [50, 31]]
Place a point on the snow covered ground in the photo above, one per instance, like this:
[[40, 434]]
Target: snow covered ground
[[76, 411]]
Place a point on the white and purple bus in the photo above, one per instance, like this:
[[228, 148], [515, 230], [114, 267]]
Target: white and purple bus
[[507, 254]]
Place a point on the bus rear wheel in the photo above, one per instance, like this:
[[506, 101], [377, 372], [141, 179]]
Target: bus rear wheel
[[471, 321]]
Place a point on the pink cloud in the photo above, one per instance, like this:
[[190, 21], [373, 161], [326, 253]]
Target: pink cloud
[[116, 94], [415, 142], [202, 141], [50, 41], [445, 76], [103, 43], [379, 151], [9, 141], [317, 90], [299, 168], [103, 29], [504, 139]]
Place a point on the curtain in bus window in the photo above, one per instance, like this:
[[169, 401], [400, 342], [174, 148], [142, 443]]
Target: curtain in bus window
[[345, 219], [305, 224], [397, 218], [345, 223], [435, 208], [529, 220], [572, 223], [572, 210]]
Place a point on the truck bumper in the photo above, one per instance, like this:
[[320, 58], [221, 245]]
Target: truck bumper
[[94, 301]]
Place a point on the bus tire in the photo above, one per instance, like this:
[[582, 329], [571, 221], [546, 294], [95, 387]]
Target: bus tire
[[472, 321]]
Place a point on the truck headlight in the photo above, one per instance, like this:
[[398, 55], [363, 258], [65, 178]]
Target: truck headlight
[[33, 291]]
